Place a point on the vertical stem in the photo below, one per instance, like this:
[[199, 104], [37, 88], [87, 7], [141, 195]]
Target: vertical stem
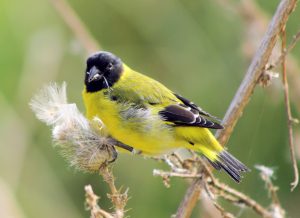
[[288, 112]]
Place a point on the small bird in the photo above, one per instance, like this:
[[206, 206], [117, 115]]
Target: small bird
[[142, 113]]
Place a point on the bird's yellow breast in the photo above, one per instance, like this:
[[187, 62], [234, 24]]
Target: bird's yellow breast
[[152, 136]]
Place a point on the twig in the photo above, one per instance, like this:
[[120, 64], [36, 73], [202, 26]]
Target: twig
[[118, 199], [244, 92], [241, 198], [288, 110], [213, 199], [207, 170], [266, 174], [162, 173], [222, 190], [285, 51], [272, 191], [223, 212], [267, 75], [76, 25], [91, 201]]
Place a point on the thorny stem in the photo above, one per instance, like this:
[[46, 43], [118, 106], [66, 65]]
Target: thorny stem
[[91, 201], [288, 112], [118, 199]]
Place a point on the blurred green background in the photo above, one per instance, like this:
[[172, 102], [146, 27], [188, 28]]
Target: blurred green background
[[200, 49]]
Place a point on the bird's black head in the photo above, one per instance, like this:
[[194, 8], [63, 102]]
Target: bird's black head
[[103, 69]]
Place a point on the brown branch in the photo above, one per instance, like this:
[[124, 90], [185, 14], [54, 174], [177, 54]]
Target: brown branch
[[288, 112], [244, 93], [191, 197], [240, 198], [223, 191], [75, 24], [255, 22], [213, 199], [255, 69], [162, 173]]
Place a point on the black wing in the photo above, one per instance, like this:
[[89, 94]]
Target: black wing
[[194, 106], [188, 114]]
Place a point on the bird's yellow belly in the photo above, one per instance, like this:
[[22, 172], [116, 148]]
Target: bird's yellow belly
[[150, 142], [152, 139]]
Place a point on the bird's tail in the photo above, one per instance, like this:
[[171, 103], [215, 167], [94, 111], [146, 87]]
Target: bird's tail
[[203, 141], [232, 166]]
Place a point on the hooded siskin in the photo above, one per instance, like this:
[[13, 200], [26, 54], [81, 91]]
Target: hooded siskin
[[143, 113]]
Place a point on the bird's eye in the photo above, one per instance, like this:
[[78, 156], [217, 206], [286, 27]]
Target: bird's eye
[[109, 66]]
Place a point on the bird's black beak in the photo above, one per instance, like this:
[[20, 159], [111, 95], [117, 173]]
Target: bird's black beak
[[94, 74]]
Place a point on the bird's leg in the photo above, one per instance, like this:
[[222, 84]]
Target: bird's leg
[[124, 146], [114, 156]]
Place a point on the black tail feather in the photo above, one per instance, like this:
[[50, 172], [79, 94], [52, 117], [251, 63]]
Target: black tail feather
[[226, 157], [230, 165], [215, 164], [233, 173]]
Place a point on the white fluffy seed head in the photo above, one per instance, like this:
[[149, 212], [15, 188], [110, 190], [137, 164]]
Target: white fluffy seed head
[[48, 102], [85, 144], [265, 171]]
